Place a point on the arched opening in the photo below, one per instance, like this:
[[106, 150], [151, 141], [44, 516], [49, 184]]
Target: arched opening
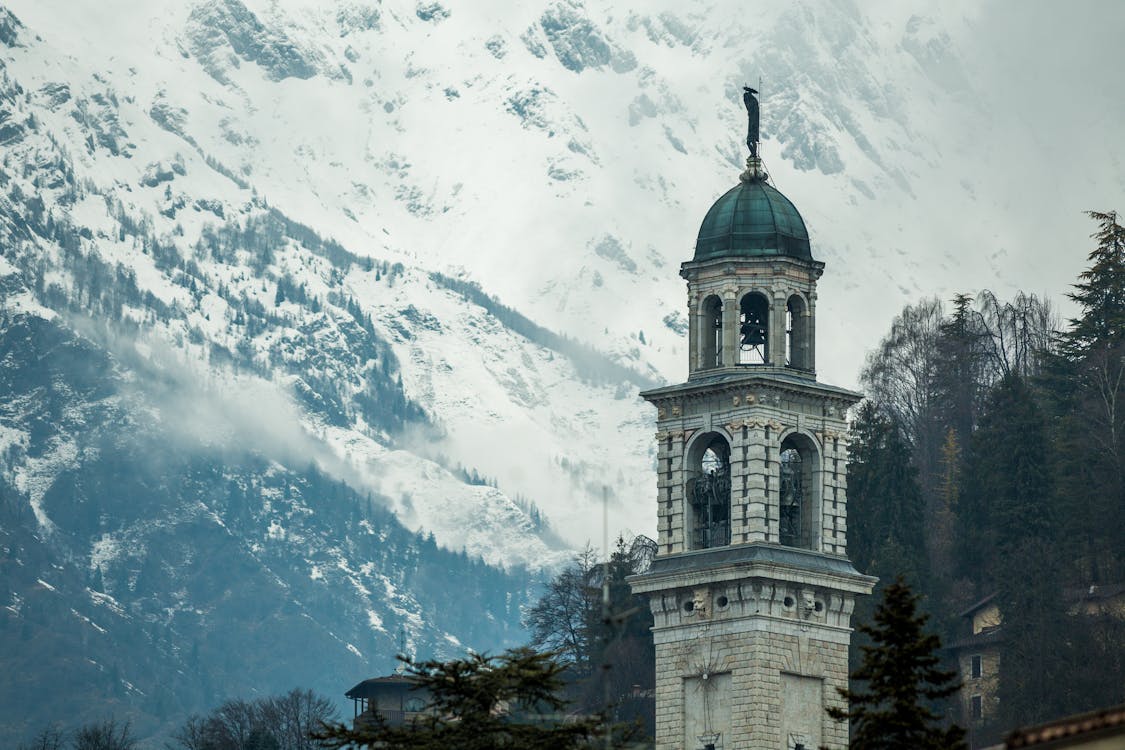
[[753, 330], [712, 333], [798, 512], [797, 345], [708, 492]]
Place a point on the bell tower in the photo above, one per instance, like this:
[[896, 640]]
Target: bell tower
[[751, 590]]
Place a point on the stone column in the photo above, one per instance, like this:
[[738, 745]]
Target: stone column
[[777, 329], [754, 497], [770, 448], [674, 496], [730, 327], [694, 343], [810, 338]]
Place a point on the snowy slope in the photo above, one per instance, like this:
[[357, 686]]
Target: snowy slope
[[561, 154]]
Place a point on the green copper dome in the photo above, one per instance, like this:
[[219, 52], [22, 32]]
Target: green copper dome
[[752, 220]]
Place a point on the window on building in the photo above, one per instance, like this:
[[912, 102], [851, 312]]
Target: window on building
[[976, 666], [977, 706]]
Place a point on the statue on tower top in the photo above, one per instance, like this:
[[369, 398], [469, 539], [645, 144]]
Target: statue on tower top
[[752, 137]]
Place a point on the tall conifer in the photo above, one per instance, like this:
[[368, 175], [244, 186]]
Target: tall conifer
[[901, 682], [1100, 290], [1087, 386]]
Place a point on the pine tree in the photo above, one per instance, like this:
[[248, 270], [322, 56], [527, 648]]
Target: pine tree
[[901, 681], [1006, 495], [1086, 383], [885, 503], [1100, 290], [959, 377]]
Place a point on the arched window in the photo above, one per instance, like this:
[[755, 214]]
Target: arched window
[[797, 344], [712, 333], [753, 330], [799, 510], [708, 492]]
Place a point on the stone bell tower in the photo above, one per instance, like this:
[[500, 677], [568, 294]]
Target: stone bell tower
[[751, 590]]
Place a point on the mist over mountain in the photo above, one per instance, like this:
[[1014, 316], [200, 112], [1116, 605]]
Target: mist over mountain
[[332, 316]]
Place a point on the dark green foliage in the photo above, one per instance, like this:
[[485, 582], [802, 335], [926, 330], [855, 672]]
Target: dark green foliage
[[1008, 500], [959, 378], [884, 508], [484, 702], [1086, 385], [1100, 290], [1007, 544], [1025, 495], [900, 680], [884, 498], [1038, 659]]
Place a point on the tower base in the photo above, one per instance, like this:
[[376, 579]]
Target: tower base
[[751, 646]]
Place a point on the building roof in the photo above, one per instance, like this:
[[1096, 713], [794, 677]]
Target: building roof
[[740, 561], [986, 638], [753, 376], [369, 688], [1106, 721], [752, 219], [1096, 592], [978, 606]]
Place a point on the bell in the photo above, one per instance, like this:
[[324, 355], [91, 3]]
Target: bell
[[753, 335]]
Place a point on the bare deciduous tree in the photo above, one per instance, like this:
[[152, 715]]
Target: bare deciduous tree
[[105, 735], [284, 722]]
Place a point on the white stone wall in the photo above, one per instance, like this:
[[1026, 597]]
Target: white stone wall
[[762, 713], [757, 630]]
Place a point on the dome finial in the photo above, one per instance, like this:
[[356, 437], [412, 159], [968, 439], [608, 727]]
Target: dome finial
[[754, 170]]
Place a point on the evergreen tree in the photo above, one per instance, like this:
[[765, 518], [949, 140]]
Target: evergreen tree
[[483, 703], [884, 500], [1100, 291], [959, 378], [1008, 524], [902, 682], [1086, 382], [1006, 498], [884, 509], [942, 528]]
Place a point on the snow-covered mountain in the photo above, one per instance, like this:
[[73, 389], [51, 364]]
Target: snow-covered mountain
[[428, 251], [561, 154]]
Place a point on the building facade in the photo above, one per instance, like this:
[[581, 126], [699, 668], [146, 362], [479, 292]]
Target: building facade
[[751, 589], [977, 653]]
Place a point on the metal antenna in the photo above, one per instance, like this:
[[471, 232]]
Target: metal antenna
[[401, 668], [607, 617], [762, 99]]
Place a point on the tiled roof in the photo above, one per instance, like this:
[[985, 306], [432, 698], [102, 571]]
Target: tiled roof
[[1104, 721]]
